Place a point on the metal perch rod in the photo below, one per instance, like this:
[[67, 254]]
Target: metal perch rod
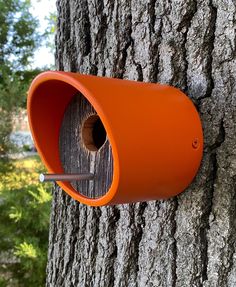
[[65, 177]]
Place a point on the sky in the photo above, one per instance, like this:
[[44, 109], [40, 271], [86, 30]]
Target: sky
[[42, 9]]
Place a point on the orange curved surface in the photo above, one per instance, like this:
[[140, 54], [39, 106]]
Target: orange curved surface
[[154, 130]]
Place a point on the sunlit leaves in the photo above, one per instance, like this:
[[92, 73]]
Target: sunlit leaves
[[24, 220], [25, 250], [40, 196], [15, 213]]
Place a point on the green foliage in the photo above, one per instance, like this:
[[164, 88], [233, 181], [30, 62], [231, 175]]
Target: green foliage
[[51, 19], [18, 37], [13, 89], [24, 203], [24, 222], [18, 41], [5, 130], [7, 106], [3, 282]]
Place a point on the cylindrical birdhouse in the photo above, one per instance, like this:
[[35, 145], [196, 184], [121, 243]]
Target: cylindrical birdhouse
[[127, 141]]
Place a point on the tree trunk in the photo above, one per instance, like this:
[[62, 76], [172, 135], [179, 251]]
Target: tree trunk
[[188, 240]]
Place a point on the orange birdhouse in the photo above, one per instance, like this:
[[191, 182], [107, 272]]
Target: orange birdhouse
[[127, 141]]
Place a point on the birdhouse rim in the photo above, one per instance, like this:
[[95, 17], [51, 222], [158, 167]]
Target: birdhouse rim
[[73, 79]]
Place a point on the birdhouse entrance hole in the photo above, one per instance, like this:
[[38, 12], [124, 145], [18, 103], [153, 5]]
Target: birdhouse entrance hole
[[93, 133]]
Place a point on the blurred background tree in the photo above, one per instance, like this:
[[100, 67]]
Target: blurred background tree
[[18, 41], [24, 204]]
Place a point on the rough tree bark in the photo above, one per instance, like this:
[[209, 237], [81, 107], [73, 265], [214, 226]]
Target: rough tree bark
[[188, 240]]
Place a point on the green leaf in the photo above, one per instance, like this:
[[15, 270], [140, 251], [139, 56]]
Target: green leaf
[[26, 250], [15, 214]]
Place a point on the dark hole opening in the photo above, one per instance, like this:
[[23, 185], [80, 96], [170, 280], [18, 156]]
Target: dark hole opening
[[93, 133]]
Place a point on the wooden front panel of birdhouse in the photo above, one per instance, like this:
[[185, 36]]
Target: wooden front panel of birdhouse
[[85, 148]]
